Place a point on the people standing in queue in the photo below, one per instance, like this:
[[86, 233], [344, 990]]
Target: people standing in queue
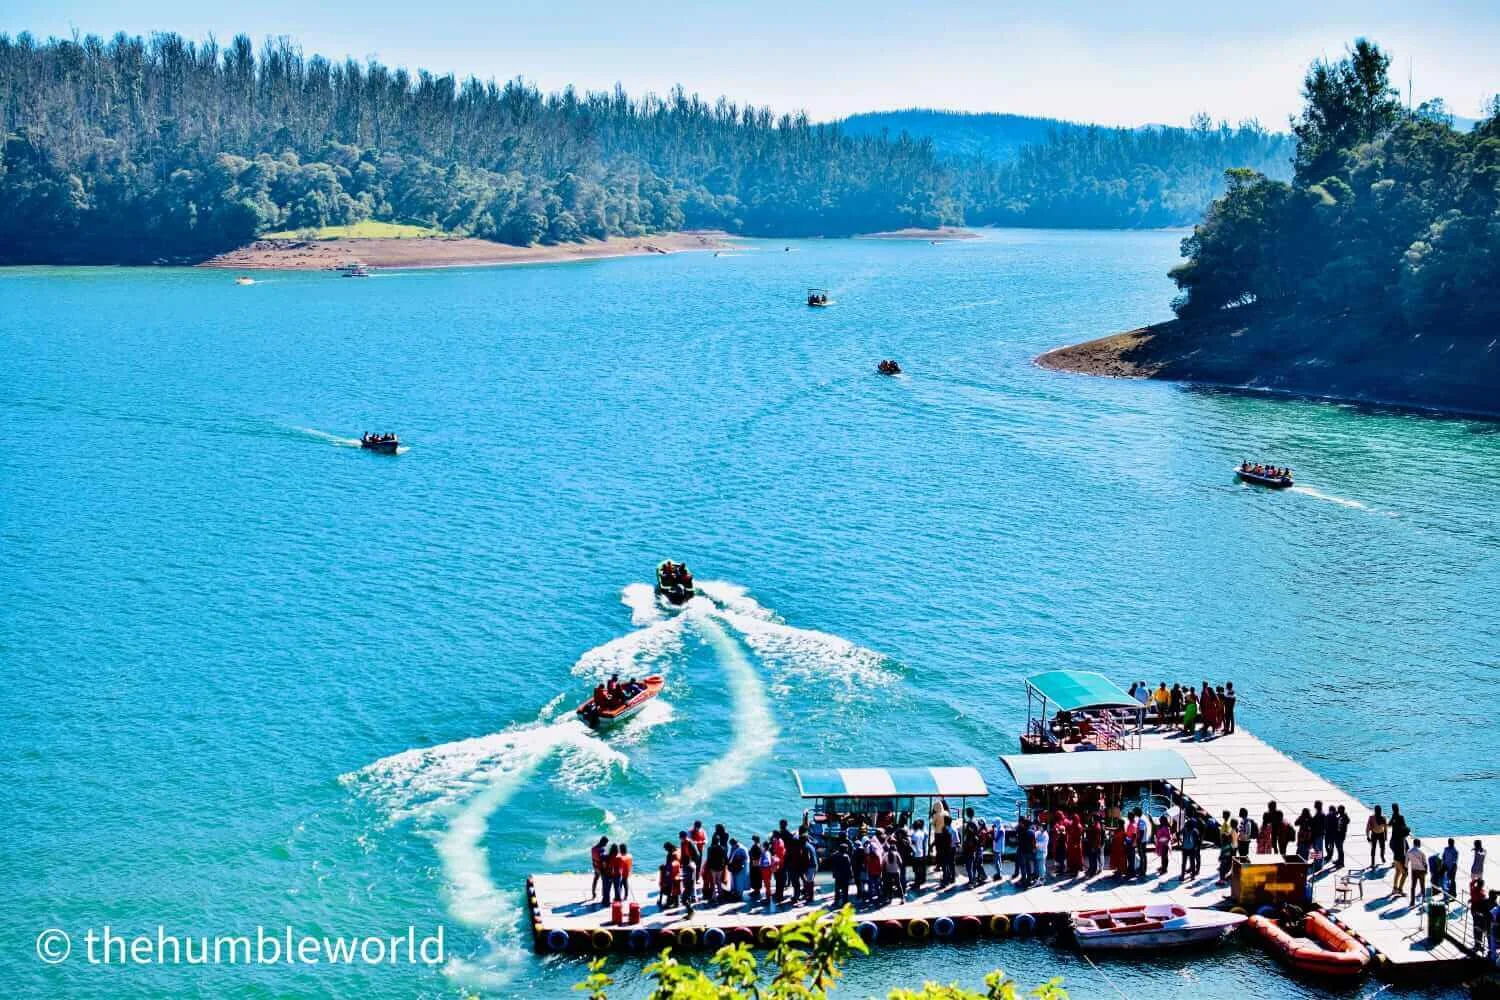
[[739, 870], [610, 857], [842, 869], [1416, 868], [918, 838], [1375, 833], [596, 856]]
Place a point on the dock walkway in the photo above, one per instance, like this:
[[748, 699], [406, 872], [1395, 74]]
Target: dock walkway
[[1240, 771]]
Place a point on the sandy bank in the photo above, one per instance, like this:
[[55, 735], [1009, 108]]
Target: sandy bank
[[1344, 358], [325, 255], [941, 233]]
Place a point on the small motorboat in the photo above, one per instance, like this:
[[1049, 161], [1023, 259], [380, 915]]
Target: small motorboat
[[1138, 928], [597, 717], [674, 583], [356, 270], [817, 296], [385, 444], [1326, 950], [1263, 475], [244, 279], [888, 367]]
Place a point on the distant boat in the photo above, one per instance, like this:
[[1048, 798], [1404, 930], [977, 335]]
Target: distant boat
[[1142, 928], [244, 279], [385, 444], [888, 367], [1263, 477], [817, 296], [356, 270]]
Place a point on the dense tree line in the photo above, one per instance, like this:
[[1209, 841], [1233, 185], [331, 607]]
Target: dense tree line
[[1392, 217], [961, 134], [1018, 171], [140, 149], [1087, 176]]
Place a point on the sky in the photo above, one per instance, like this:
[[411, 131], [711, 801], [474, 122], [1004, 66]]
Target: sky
[[1151, 61]]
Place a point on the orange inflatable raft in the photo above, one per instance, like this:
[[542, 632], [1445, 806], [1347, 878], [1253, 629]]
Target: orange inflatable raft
[[1327, 950]]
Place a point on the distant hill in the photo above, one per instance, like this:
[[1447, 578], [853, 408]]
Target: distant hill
[[959, 133]]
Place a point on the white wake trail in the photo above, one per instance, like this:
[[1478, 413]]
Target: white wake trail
[[452, 791], [802, 653], [752, 729], [1308, 491]]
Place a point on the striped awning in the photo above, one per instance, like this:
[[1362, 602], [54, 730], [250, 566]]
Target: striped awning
[[1098, 767], [888, 782]]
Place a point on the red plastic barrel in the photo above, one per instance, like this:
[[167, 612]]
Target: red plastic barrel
[[635, 912], [616, 912]]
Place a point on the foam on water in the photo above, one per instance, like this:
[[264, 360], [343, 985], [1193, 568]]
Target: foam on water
[[638, 653], [1308, 491], [453, 790], [342, 442], [753, 731], [800, 653]]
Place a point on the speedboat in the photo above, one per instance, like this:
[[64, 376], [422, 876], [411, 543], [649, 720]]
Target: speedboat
[[674, 583], [817, 296], [385, 444], [888, 367], [356, 270], [1166, 925], [1327, 949], [597, 717], [244, 279], [1275, 482]]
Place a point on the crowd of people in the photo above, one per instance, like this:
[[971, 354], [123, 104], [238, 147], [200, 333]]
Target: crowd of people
[[1206, 712], [675, 574], [367, 438]]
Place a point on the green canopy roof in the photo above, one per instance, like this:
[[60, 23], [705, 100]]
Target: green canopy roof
[[1096, 767], [1071, 690], [881, 782]]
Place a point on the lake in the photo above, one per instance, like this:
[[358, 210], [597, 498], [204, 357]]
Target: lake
[[255, 676]]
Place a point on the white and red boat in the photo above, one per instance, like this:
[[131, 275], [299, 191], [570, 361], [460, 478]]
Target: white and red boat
[[598, 717], [1165, 925]]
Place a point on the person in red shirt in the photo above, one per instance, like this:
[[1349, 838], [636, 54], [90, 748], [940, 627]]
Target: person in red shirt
[[620, 867], [669, 878]]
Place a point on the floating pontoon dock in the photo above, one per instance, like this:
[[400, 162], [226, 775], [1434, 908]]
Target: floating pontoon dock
[[1228, 772]]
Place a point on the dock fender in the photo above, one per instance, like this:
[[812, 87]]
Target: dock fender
[[686, 938], [601, 939], [639, 940], [715, 938], [969, 925], [767, 936], [1025, 923], [742, 935], [868, 932], [891, 930], [917, 929], [1237, 909], [1268, 911], [557, 940], [943, 927], [999, 925]]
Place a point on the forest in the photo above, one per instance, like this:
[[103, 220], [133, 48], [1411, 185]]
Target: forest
[[1018, 171], [134, 150], [1391, 220]]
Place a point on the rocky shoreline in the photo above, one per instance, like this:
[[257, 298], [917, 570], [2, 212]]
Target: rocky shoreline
[[1346, 358]]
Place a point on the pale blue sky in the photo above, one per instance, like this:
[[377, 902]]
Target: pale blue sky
[[1115, 62]]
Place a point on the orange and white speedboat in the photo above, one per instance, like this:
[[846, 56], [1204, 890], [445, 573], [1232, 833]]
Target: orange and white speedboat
[[599, 716]]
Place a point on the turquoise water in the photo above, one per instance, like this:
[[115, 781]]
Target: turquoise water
[[255, 676]]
